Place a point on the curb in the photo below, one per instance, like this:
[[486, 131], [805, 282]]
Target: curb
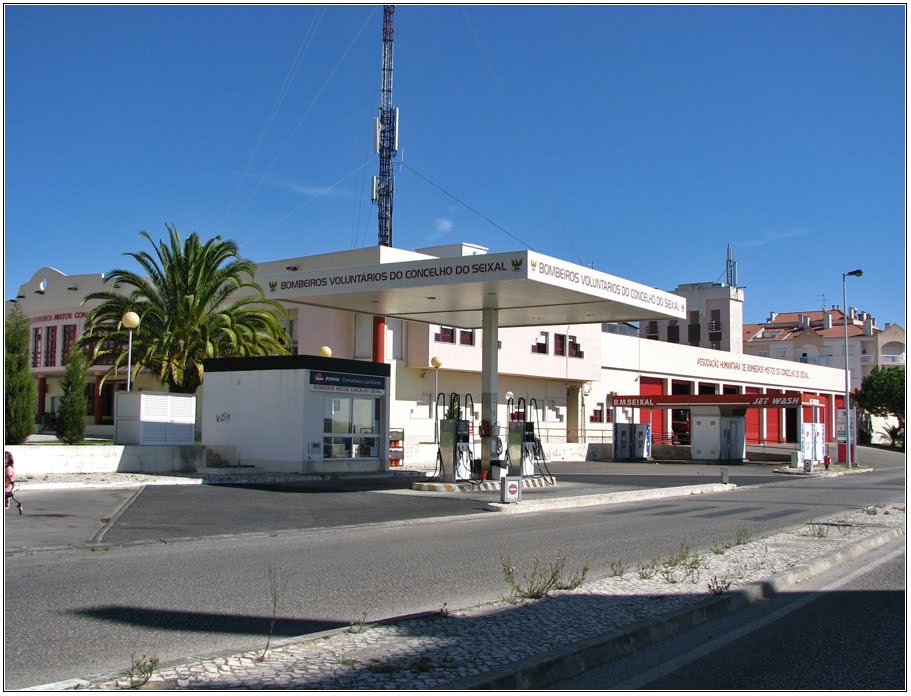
[[211, 480], [609, 498], [471, 486], [540, 671]]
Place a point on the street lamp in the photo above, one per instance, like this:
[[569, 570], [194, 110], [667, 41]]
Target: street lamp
[[130, 320], [857, 273], [325, 351], [436, 363]]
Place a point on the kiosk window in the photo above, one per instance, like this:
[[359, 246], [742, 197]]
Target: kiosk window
[[350, 427]]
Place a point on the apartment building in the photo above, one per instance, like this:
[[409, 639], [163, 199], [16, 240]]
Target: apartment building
[[818, 338]]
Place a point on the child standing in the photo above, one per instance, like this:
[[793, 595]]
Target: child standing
[[9, 480]]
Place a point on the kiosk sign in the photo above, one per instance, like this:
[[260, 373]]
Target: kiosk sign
[[351, 384]]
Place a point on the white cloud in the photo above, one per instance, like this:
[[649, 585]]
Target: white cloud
[[769, 237], [443, 225]]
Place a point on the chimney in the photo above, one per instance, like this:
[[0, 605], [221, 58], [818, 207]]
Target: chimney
[[826, 319], [803, 321], [852, 313], [868, 325], [772, 316]]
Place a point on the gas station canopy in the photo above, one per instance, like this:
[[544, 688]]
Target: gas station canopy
[[525, 287]]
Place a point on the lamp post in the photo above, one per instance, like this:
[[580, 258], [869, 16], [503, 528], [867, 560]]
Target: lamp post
[[325, 351], [130, 320], [436, 363], [857, 273]]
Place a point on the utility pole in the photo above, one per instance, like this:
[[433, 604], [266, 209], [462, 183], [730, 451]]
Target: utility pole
[[386, 140]]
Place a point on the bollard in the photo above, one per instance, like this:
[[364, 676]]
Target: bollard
[[724, 474]]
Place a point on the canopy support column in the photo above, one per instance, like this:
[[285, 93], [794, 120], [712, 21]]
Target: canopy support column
[[489, 386]]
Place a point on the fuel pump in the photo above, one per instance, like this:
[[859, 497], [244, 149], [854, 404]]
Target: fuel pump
[[537, 451], [454, 454], [524, 449], [517, 437]]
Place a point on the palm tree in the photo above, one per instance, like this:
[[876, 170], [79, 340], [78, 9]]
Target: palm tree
[[198, 301]]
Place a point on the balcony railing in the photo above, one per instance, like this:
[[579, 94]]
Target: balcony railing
[[866, 359], [892, 360]]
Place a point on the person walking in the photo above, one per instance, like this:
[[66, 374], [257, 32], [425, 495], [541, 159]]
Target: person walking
[[9, 481]]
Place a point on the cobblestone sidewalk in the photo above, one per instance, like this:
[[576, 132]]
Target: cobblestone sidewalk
[[452, 646]]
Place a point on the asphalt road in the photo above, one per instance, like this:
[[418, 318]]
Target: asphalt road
[[842, 631], [86, 611], [166, 513]]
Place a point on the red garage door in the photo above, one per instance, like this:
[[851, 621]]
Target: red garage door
[[652, 386], [753, 415], [773, 420]]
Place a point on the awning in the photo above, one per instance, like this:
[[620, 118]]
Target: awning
[[527, 289]]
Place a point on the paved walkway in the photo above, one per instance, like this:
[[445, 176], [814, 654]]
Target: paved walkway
[[526, 644]]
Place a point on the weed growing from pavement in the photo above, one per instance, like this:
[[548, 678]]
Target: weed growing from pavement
[[277, 583], [541, 580], [743, 537], [647, 570], [619, 568], [140, 671], [818, 530], [721, 549], [668, 573], [718, 585], [357, 625]]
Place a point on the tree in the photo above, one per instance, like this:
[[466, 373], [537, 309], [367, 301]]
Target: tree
[[882, 393], [21, 392], [72, 417], [198, 301]]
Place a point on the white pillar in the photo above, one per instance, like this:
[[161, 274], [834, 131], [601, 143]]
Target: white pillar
[[489, 383]]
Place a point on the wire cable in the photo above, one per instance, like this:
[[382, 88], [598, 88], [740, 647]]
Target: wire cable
[[466, 206]]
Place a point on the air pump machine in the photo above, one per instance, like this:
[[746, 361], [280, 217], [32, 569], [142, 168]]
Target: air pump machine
[[454, 454]]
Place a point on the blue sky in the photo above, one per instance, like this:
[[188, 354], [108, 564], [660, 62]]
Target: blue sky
[[640, 140]]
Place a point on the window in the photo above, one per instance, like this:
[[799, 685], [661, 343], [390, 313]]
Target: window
[[540, 344], [567, 345], [673, 331], [69, 337], [36, 346], [651, 329], [715, 321], [575, 351], [559, 344], [598, 414], [466, 338], [350, 427], [445, 335], [292, 334], [50, 347]]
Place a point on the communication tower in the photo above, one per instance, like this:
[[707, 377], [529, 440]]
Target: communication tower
[[385, 136]]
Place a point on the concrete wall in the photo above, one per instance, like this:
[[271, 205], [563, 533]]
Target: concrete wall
[[35, 460]]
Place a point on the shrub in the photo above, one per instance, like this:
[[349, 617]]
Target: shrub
[[21, 391], [72, 418]]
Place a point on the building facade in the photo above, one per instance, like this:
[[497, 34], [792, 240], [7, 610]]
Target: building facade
[[818, 338], [565, 373]]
